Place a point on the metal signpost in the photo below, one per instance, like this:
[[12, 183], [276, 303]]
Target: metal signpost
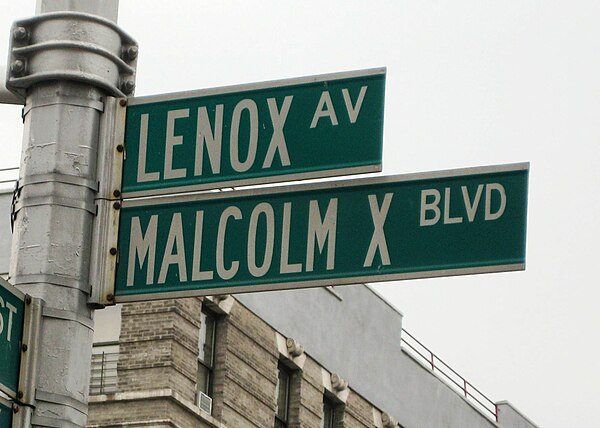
[[63, 64], [310, 127], [12, 316], [378, 229]]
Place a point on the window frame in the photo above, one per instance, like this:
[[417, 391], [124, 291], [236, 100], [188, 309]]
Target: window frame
[[282, 421], [329, 413], [333, 410], [207, 366]]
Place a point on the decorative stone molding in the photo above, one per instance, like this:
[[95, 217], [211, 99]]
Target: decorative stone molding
[[290, 352], [337, 383], [388, 421], [336, 386], [293, 347], [220, 304]]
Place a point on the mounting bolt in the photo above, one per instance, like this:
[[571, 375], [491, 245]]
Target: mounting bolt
[[120, 148], [24, 347], [17, 67], [123, 102], [28, 300], [128, 85], [113, 251], [110, 297], [130, 53], [117, 205], [116, 193], [15, 408], [20, 394], [20, 34]]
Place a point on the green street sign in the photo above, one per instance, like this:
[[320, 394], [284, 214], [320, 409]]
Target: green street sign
[[6, 413], [376, 229], [12, 316], [310, 127]]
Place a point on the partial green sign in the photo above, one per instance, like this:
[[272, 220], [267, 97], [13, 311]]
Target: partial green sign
[[12, 316], [310, 127], [378, 229], [6, 413]]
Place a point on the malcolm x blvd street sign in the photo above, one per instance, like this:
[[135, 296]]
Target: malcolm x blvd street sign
[[376, 229], [310, 127], [12, 316]]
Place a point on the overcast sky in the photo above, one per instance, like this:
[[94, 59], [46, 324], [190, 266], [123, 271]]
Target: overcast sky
[[469, 83]]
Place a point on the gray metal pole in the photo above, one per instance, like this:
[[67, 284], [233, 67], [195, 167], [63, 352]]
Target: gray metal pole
[[108, 9], [64, 61]]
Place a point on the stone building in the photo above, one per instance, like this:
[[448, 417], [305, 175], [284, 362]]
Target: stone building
[[329, 357], [214, 363]]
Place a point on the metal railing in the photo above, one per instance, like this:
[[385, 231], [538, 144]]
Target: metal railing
[[103, 379], [455, 380], [6, 175]]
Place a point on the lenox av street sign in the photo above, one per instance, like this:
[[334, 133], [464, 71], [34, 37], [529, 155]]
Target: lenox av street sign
[[376, 229], [12, 316], [285, 130]]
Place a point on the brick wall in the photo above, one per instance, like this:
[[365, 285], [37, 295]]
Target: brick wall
[[158, 346], [246, 371], [157, 374]]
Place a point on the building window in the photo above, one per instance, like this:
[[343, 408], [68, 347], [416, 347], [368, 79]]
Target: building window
[[329, 413], [206, 353], [282, 391]]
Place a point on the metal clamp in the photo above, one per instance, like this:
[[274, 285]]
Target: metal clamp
[[69, 316], [71, 402], [54, 200], [71, 46], [111, 142], [60, 280], [13, 205], [32, 330], [104, 254], [60, 178]]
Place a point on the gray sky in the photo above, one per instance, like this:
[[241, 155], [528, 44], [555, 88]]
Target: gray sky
[[469, 83]]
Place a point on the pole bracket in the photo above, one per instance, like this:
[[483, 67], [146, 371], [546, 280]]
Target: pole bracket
[[71, 46], [32, 330], [105, 254]]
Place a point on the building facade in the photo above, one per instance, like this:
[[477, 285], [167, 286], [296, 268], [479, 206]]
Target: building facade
[[306, 358], [214, 363]]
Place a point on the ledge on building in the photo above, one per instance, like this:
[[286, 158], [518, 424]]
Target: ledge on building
[[510, 416], [154, 394]]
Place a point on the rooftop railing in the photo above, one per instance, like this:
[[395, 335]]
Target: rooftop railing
[[8, 176], [103, 379], [449, 375]]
